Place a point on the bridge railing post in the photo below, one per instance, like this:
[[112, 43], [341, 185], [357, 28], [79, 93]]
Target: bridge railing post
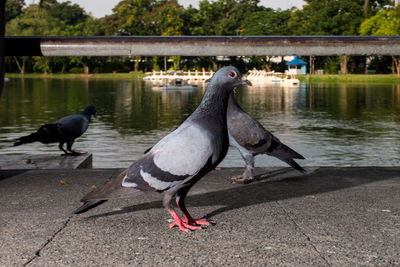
[[2, 43]]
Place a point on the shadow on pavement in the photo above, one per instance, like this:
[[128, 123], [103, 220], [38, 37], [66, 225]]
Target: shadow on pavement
[[271, 187], [4, 174]]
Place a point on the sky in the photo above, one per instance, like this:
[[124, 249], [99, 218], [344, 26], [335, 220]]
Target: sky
[[99, 8]]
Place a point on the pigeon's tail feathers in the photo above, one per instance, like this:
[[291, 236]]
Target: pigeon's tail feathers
[[26, 139], [294, 165], [88, 205], [48, 133], [291, 152], [286, 154]]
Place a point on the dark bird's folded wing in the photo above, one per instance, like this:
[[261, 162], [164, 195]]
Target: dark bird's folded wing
[[73, 126]]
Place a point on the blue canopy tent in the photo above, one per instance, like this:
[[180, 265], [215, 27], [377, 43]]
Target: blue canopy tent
[[294, 64]]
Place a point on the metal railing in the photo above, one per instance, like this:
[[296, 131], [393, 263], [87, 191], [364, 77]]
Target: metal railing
[[192, 45], [202, 45]]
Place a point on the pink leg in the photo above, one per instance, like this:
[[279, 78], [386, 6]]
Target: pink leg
[[181, 224], [192, 221], [189, 219]]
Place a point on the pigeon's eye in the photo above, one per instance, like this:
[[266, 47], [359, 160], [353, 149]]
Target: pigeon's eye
[[232, 74]]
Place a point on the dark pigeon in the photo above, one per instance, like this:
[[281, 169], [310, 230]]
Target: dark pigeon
[[65, 130], [251, 138], [181, 158]]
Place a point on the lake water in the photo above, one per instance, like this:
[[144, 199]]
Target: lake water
[[330, 124]]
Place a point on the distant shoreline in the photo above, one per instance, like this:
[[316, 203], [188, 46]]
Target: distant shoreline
[[122, 76], [351, 78], [370, 78]]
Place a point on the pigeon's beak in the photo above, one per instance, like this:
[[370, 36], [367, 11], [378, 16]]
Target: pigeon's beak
[[245, 81]]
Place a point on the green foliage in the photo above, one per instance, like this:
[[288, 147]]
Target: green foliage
[[13, 9], [267, 22], [68, 13], [212, 17], [129, 18], [176, 62], [169, 18], [332, 68], [385, 22], [89, 27], [41, 64], [76, 70], [156, 67], [328, 17], [35, 21]]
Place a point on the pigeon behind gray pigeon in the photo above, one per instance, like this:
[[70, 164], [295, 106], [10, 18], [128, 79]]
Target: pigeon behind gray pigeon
[[251, 138], [65, 130], [182, 157]]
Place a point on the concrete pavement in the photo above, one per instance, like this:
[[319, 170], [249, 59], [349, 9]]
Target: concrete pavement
[[328, 217]]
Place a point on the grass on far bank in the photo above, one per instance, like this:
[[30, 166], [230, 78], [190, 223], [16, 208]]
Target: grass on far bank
[[350, 78], [326, 78], [120, 76]]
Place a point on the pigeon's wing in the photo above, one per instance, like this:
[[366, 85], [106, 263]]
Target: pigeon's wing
[[172, 162], [73, 126], [249, 133]]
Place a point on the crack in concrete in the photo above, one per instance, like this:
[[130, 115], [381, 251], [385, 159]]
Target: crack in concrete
[[37, 253], [303, 233]]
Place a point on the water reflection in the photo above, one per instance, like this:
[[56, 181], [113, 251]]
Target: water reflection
[[330, 124]]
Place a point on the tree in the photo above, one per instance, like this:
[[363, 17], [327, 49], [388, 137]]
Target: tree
[[267, 22], [129, 18], [332, 17], [222, 17], [385, 22], [166, 18], [50, 18], [68, 13], [233, 15], [34, 21], [193, 22], [13, 9], [327, 17]]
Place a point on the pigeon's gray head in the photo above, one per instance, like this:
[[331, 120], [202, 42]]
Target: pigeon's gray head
[[220, 87], [90, 110], [228, 77]]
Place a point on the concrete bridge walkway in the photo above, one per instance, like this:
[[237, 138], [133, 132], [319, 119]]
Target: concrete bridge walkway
[[328, 217]]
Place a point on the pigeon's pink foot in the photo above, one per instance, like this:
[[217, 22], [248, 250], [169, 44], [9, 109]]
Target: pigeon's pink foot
[[192, 221], [181, 224], [189, 219], [184, 226]]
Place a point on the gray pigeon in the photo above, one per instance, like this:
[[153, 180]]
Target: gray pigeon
[[65, 130], [251, 138], [181, 158]]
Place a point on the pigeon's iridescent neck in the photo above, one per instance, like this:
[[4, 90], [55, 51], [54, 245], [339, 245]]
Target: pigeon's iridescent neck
[[87, 114], [214, 97]]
